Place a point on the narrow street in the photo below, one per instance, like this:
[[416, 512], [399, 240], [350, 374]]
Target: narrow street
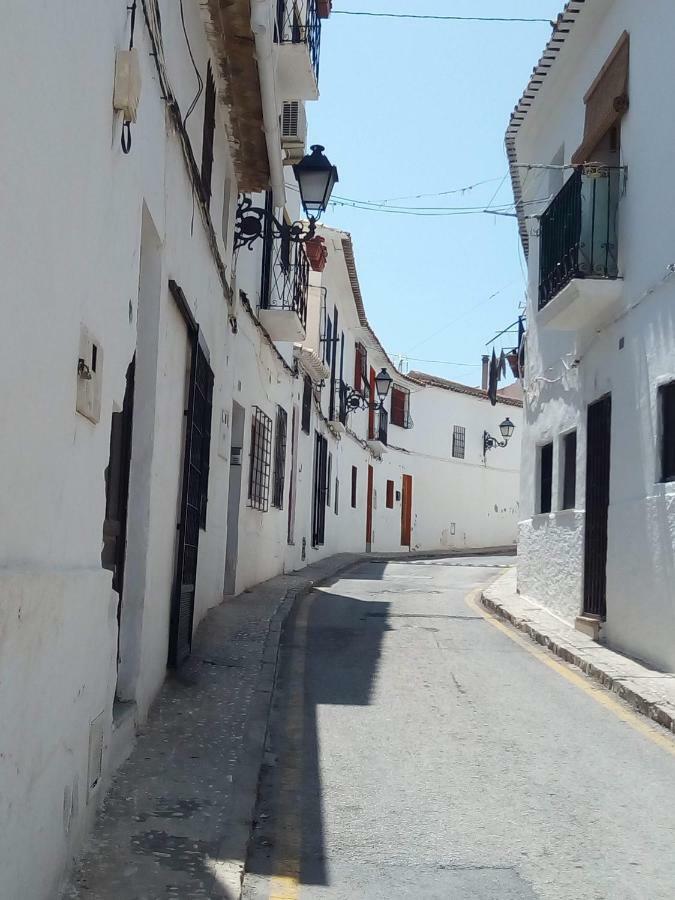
[[420, 749]]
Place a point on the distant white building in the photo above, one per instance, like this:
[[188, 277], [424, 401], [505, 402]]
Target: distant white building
[[588, 145]]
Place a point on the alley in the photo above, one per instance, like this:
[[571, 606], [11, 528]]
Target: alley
[[419, 751]]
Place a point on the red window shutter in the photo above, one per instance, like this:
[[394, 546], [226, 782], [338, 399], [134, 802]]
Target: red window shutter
[[398, 398], [390, 494], [358, 368]]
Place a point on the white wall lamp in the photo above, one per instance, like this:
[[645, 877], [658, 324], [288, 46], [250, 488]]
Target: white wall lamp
[[489, 443]]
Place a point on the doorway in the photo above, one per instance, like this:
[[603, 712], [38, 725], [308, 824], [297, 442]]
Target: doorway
[[598, 463], [320, 488], [234, 497], [369, 510], [406, 511]]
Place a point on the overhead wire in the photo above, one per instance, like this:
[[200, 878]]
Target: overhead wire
[[438, 18]]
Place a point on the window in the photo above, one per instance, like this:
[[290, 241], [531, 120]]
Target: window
[[458, 441], [400, 405], [203, 407], [329, 479], [667, 395], [319, 506], [208, 132], [279, 459], [390, 494], [361, 370], [261, 451], [569, 492], [355, 475], [337, 496], [307, 404], [545, 477]]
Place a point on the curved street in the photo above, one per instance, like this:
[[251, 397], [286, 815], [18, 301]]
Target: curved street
[[420, 749]]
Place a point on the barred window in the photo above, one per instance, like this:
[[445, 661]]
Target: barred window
[[279, 459], [458, 442], [307, 404], [260, 459]]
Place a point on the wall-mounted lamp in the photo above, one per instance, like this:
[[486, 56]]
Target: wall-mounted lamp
[[489, 443], [316, 179], [383, 383]]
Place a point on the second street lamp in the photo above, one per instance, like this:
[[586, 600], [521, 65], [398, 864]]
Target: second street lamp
[[506, 428], [383, 383], [316, 178]]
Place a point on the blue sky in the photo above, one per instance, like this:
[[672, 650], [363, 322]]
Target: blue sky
[[412, 107]]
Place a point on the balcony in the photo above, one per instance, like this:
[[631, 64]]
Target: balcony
[[285, 283], [377, 440], [298, 34], [337, 414], [579, 281]]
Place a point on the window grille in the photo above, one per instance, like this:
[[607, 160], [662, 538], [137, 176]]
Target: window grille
[[459, 442], [569, 470], [390, 494], [279, 459], [208, 132], [545, 477], [667, 392], [260, 459], [307, 404]]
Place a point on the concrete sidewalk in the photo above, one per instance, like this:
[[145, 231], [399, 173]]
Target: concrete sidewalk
[[177, 819], [649, 691]]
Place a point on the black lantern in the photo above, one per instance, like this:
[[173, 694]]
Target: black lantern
[[316, 179], [382, 385], [489, 443]]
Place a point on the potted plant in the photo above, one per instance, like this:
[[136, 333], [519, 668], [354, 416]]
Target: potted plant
[[317, 253], [323, 8]]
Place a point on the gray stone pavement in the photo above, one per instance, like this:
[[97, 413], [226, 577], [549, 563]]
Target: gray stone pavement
[[422, 750], [650, 692], [177, 818]]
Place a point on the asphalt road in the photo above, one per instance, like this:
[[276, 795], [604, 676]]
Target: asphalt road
[[417, 751]]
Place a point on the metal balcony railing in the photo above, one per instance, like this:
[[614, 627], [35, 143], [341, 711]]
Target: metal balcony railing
[[578, 231], [298, 22], [338, 404], [286, 278]]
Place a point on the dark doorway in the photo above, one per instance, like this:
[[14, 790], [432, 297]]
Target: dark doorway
[[113, 554], [320, 488], [192, 503], [597, 506], [369, 510]]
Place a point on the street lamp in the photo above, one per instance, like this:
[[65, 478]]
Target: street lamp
[[489, 443], [316, 179], [382, 385]]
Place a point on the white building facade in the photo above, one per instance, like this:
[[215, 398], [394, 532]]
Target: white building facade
[[587, 147]]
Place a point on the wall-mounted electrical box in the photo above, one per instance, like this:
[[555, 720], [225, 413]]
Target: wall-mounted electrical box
[[127, 91], [235, 458], [89, 376]]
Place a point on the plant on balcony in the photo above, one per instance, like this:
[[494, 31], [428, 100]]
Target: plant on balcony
[[317, 253], [323, 8]]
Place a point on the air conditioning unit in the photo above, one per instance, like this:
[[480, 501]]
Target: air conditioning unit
[[293, 130]]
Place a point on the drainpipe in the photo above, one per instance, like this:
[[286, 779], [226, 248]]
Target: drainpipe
[[486, 364], [262, 25]]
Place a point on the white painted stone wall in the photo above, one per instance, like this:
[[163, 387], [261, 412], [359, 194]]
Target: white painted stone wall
[[641, 558]]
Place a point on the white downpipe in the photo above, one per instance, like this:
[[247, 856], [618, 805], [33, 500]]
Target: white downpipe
[[263, 29]]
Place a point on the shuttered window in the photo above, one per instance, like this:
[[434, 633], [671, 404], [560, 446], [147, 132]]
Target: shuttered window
[[399, 406], [208, 132], [569, 493], [307, 404], [260, 460], [390, 494], [667, 393], [361, 369], [545, 477], [458, 442], [279, 459]]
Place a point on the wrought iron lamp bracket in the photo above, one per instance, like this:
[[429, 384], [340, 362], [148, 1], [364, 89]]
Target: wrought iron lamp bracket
[[250, 222], [490, 443], [354, 400]]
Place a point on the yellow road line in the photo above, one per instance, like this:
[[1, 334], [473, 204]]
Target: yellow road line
[[601, 695], [285, 883]]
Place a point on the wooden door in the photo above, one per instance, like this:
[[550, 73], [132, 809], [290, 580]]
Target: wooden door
[[369, 509], [597, 506], [406, 511]]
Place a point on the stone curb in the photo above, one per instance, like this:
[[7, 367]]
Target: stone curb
[[659, 711]]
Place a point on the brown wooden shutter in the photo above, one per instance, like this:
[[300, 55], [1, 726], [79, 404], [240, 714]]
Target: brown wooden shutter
[[358, 367], [390, 494], [398, 398], [606, 100]]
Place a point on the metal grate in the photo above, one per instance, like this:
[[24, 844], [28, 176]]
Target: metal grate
[[279, 459], [459, 441], [285, 282], [260, 457]]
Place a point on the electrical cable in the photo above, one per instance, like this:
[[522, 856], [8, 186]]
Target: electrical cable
[[200, 80], [436, 18]]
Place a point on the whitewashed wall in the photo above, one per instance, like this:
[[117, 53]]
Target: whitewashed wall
[[641, 560]]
